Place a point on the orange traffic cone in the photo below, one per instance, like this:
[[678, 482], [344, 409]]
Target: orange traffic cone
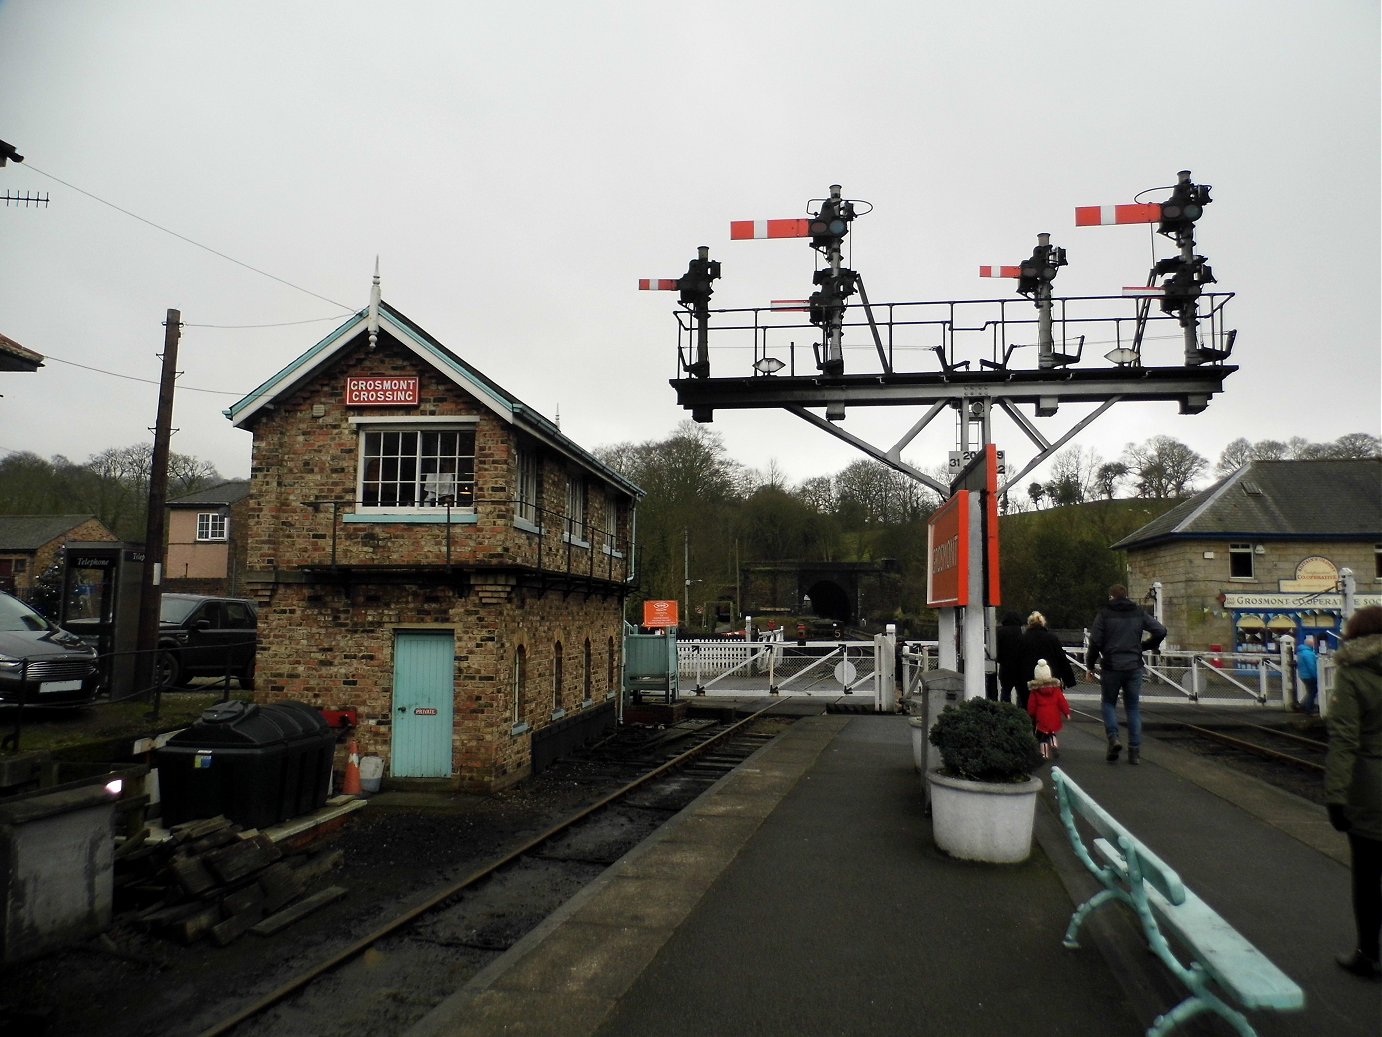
[[351, 785]]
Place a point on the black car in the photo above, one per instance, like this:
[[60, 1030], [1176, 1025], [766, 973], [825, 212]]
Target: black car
[[42, 664], [201, 636]]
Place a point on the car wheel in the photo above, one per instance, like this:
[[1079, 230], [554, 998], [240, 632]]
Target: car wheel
[[167, 670]]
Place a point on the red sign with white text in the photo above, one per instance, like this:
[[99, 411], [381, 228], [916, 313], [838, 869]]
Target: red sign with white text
[[947, 556], [660, 613], [381, 392]]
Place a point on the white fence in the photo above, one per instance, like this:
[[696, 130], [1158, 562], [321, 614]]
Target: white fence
[[782, 666]]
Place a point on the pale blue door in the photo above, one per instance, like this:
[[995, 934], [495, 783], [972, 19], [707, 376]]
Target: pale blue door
[[423, 691]]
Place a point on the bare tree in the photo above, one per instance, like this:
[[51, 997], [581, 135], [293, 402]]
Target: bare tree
[[1108, 476], [1165, 468]]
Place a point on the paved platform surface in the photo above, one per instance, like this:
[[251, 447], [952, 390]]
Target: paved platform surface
[[803, 895]]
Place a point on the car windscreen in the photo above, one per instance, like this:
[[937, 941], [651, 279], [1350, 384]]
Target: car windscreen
[[15, 615], [173, 611]]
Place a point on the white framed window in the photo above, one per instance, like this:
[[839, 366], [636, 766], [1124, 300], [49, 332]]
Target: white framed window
[[526, 493], [575, 508], [211, 525], [417, 469], [1240, 561], [612, 546]]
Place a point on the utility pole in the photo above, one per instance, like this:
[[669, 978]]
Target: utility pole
[[146, 648]]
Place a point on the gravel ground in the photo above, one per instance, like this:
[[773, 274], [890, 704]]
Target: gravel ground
[[127, 983]]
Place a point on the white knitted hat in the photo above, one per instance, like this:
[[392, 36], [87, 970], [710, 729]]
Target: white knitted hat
[[1042, 671]]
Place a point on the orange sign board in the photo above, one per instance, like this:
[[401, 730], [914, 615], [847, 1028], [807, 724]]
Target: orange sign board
[[947, 556], [660, 613]]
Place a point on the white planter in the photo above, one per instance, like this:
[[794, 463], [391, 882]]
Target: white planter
[[919, 733], [979, 821]]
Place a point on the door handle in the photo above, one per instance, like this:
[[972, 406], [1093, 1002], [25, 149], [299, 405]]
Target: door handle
[[403, 709]]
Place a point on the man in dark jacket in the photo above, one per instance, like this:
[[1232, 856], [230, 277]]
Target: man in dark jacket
[[1008, 645], [1117, 636]]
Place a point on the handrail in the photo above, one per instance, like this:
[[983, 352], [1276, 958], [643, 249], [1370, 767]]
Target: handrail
[[550, 525]]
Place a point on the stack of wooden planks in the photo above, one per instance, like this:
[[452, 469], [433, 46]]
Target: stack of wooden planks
[[212, 880]]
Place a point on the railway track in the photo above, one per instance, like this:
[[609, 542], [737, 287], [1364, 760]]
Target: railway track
[[389, 978], [1290, 760]]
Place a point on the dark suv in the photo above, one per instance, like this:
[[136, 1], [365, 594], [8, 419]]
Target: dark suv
[[206, 637]]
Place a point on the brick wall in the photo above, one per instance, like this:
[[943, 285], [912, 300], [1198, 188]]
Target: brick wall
[[329, 642], [1192, 583]]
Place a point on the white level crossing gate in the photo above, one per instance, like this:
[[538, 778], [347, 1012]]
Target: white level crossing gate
[[786, 667]]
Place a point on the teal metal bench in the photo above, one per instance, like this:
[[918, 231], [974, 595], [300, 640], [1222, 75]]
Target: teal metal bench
[[1222, 965]]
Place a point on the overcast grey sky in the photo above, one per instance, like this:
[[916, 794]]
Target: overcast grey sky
[[518, 166]]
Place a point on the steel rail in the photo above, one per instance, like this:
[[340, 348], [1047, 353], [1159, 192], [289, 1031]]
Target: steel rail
[[1252, 747], [339, 958]]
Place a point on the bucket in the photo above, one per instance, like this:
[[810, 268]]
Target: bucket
[[371, 771]]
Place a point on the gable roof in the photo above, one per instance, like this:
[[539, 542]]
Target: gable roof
[[30, 532], [14, 357], [232, 491], [401, 329], [1278, 500]]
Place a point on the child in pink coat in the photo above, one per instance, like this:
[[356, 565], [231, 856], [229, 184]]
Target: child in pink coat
[[1049, 708]]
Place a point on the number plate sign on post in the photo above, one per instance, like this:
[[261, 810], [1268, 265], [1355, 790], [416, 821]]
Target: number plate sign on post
[[959, 459]]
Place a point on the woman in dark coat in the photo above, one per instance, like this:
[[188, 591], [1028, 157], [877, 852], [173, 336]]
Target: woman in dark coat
[[1353, 777], [1039, 643]]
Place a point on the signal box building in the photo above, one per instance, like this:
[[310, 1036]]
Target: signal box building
[[428, 550], [1262, 553]]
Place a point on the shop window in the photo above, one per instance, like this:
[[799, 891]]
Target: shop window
[[520, 683], [417, 469], [556, 675], [211, 525], [575, 508], [526, 493], [1240, 561]]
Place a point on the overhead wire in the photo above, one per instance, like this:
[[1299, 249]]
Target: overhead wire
[[190, 241]]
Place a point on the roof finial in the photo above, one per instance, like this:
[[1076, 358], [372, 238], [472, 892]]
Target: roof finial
[[374, 307]]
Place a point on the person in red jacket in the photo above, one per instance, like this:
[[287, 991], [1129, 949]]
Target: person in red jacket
[[1048, 707]]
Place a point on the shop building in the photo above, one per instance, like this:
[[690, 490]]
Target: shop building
[[1262, 553], [428, 550]]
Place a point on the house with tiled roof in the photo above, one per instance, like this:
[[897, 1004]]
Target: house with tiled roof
[[31, 544], [14, 357], [1264, 552], [429, 550], [205, 549]]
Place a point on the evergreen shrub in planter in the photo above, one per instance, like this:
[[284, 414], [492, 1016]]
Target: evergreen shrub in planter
[[983, 800], [987, 741]]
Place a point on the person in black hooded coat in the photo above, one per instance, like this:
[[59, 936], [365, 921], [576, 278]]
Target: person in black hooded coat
[[1008, 647], [1039, 643]]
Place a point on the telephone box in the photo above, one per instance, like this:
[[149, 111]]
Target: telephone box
[[100, 604]]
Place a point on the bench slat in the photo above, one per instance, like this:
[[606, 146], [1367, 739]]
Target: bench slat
[[1236, 965]]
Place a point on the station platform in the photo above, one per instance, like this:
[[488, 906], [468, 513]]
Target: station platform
[[803, 894]]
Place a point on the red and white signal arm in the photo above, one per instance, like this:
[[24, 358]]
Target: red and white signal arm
[[746, 230], [657, 284], [660, 613], [1109, 215], [1000, 271]]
